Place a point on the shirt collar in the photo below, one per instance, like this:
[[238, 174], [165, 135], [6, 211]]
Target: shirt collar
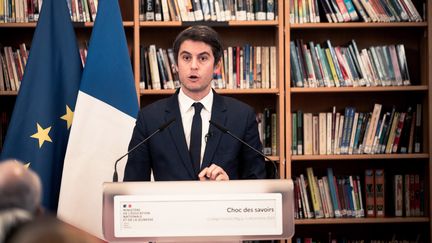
[[185, 102]]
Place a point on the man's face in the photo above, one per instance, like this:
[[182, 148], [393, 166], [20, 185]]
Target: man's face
[[195, 67]]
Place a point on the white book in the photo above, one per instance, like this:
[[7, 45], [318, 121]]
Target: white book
[[183, 10], [165, 11], [370, 135], [329, 124], [307, 134], [230, 69], [322, 133], [273, 67], [154, 70], [308, 210]]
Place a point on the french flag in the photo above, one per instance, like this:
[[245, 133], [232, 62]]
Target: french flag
[[104, 118]]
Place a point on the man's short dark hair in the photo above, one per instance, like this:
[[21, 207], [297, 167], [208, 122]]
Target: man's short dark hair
[[203, 34]]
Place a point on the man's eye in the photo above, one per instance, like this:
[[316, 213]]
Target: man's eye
[[203, 58], [186, 58]]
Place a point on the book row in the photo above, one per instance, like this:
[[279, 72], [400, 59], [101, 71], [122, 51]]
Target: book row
[[207, 10], [339, 66], [241, 67], [339, 11], [347, 196], [12, 65], [354, 132], [82, 10], [13, 62], [24, 11], [407, 194], [327, 197]]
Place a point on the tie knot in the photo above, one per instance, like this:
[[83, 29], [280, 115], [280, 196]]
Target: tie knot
[[198, 107]]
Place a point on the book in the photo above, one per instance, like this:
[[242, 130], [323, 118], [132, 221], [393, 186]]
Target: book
[[315, 195], [380, 192], [370, 193], [398, 195], [333, 192], [418, 130]]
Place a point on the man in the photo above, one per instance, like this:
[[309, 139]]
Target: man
[[176, 153]]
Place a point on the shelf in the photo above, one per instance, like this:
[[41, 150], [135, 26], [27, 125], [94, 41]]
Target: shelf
[[208, 23], [219, 91], [359, 156], [18, 25], [360, 89], [75, 24], [8, 93], [362, 220], [359, 25], [91, 24]]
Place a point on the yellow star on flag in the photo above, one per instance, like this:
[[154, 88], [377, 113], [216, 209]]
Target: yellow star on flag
[[68, 117], [42, 135]]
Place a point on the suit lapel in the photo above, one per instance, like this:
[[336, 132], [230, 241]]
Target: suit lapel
[[219, 116], [177, 134]]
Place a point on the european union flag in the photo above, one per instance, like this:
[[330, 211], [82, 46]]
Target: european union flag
[[42, 117]]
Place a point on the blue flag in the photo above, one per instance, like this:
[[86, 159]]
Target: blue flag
[[42, 117], [104, 119]]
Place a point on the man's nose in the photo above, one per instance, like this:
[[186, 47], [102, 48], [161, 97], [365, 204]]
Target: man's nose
[[194, 63]]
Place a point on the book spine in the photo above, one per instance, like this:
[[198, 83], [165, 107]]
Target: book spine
[[370, 193], [380, 192]]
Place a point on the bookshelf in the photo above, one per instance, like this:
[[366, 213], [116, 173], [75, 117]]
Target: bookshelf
[[416, 38], [162, 33]]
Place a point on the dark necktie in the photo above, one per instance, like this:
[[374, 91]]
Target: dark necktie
[[195, 139]]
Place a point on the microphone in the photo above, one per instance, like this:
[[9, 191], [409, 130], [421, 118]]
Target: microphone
[[225, 130], [207, 136], [160, 129]]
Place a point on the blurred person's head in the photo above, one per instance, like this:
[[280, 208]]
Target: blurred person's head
[[49, 229], [20, 187]]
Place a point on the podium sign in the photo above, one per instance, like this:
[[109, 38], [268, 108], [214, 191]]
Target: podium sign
[[198, 211]]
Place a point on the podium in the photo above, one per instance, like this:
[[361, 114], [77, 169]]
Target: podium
[[188, 211]]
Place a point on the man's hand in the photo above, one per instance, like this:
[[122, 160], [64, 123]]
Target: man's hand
[[213, 173]]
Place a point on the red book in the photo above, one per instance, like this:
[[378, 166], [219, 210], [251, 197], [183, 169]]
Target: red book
[[380, 193], [370, 193]]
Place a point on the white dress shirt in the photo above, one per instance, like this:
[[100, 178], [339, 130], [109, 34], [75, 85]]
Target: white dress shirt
[[187, 112]]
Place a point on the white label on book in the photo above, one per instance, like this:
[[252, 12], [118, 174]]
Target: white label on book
[[213, 215]]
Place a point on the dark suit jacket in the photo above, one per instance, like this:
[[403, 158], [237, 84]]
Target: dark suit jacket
[[167, 153]]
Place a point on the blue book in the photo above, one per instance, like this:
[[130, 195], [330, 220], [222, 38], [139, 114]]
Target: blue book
[[333, 193]]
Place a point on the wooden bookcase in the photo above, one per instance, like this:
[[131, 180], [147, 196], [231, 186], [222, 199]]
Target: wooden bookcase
[[417, 41], [162, 34]]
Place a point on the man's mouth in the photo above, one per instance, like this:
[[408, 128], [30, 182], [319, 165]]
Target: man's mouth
[[193, 77]]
